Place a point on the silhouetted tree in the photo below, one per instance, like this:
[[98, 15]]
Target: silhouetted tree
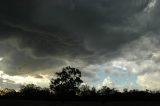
[[30, 90], [45, 92], [85, 90], [7, 92], [67, 82], [125, 90], [93, 91], [107, 91], [2, 92]]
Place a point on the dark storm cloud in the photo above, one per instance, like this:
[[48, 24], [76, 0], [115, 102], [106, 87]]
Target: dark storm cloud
[[89, 30], [19, 61], [153, 22]]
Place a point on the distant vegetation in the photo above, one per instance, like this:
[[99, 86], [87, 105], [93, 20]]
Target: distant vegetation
[[66, 86]]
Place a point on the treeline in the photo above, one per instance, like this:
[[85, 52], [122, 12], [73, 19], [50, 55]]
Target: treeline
[[85, 93], [67, 86]]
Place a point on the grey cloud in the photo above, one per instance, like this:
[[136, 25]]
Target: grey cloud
[[17, 61], [8, 84], [141, 56], [55, 31]]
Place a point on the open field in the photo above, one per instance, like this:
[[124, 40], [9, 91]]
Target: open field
[[50, 103]]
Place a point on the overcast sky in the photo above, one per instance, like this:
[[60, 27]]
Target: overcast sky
[[113, 42]]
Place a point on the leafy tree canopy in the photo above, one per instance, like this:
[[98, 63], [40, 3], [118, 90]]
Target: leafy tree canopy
[[67, 82]]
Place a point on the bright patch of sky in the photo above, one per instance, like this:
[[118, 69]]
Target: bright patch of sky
[[1, 58], [122, 79], [150, 6], [23, 80]]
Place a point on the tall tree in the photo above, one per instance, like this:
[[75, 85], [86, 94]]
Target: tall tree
[[67, 82]]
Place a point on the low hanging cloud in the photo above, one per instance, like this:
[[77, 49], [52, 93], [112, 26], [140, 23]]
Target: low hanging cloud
[[149, 80], [142, 56], [143, 60], [16, 81]]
